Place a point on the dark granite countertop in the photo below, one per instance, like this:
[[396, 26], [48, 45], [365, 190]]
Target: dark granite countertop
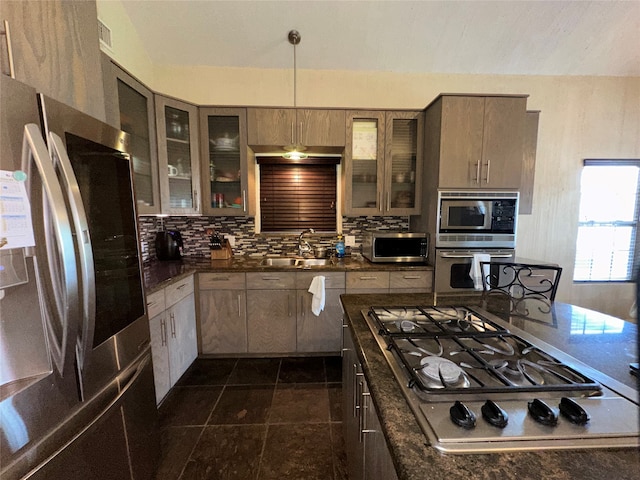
[[157, 274], [581, 333]]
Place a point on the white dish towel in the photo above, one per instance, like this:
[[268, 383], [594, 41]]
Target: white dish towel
[[317, 289], [476, 272]]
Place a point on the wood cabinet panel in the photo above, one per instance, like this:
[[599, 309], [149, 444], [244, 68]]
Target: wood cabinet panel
[[183, 346], [271, 280], [377, 459], [271, 321], [160, 355], [223, 322], [178, 290], [414, 281], [321, 128], [270, 126], [56, 50], [461, 141], [331, 279], [367, 280], [322, 333], [226, 281], [155, 303]]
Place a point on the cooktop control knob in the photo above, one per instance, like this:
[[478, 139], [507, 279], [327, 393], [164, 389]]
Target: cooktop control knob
[[495, 415], [542, 413], [573, 412], [462, 416]]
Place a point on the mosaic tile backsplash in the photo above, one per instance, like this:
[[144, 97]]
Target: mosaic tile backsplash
[[196, 241]]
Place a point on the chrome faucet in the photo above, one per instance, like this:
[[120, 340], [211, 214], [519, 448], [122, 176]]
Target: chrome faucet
[[303, 245]]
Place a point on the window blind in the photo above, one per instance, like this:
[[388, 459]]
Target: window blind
[[296, 197]]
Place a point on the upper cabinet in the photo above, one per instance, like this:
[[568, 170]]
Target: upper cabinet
[[284, 126], [476, 141], [55, 49], [178, 159], [137, 118], [525, 204], [383, 160], [226, 175]]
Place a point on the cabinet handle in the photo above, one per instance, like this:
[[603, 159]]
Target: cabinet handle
[[195, 201], [411, 277], [173, 325], [292, 134], [388, 201], [289, 303], [368, 278], [302, 305], [239, 309], [380, 208], [363, 414], [271, 279], [301, 137], [7, 35], [180, 287], [163, 331], [478, 172], [244, 200], [356, 396], [488, 168]]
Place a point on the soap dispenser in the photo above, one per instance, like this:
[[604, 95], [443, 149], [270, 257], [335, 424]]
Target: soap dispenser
[[340, 247]]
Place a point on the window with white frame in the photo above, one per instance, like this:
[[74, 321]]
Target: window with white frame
[[608, 221]]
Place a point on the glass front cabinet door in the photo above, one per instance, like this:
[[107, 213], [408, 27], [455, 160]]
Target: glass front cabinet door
[[178, 159], [364, 163], [383, 163], [137, 118], [403, 163], [224, 167]]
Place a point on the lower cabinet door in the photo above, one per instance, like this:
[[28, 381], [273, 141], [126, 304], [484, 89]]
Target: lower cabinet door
[[271, 321], [322, 333], [160, 355], [183, 345], [223, 321], [378, 463], [352, 382]]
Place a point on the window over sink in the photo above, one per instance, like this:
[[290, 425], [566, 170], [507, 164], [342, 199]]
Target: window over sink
[[607, 243], [296, 195]]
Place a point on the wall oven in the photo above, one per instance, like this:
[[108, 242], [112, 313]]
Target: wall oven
[[477, 219], [453, 267]]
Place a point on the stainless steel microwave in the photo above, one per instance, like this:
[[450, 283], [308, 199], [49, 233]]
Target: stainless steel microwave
[[393, 247], [469, 219]]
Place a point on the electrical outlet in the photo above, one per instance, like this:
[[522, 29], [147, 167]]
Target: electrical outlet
[[349, 240], [231, 239]]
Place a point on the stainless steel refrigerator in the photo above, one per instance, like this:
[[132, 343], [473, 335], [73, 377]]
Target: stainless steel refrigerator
[[76, 384]]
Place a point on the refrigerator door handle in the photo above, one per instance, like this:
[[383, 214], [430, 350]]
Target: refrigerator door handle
[[60, 252], [83, 241]]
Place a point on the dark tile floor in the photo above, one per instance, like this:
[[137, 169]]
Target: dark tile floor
[[255, 419]]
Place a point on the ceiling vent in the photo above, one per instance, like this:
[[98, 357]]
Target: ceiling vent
[[104, 33]]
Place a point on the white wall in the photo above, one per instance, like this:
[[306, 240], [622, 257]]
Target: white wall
[[582, 117]]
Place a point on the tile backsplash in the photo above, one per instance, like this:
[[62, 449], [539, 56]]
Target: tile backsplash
[[196, 241]]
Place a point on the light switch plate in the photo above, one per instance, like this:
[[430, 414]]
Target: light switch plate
[[349, 240]]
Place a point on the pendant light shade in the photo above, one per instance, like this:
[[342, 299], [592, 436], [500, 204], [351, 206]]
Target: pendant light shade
[[296, 149]]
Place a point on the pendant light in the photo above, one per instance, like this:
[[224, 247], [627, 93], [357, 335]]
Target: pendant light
[[295, 151]]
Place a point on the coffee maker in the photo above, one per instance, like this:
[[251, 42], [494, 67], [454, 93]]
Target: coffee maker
[[168, 244]]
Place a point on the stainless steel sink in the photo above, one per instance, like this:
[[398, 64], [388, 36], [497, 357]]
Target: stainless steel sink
[[311, 262], [279, 262], [295, 262]]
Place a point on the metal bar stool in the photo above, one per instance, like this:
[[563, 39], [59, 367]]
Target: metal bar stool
[[527, 286]]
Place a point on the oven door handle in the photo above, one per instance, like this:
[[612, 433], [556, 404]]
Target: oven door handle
[[462, 255]]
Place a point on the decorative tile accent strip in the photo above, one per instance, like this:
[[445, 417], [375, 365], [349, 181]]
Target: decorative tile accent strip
[[196, 241]]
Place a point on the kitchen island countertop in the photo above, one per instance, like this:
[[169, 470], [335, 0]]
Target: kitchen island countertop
[[414, 460]]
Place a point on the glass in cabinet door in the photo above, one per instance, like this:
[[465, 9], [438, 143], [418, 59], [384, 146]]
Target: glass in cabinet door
[[180, 159], [224, 183], [135, 104], [364, 165], [403, 165]]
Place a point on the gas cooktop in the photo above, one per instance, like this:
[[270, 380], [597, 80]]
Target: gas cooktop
[[478, 385]]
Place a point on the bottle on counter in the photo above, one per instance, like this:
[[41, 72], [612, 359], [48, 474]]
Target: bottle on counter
[[340, 247]]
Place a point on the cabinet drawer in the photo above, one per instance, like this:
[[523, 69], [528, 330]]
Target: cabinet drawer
[[221, 281], [331, 279], [178, 290], [367, 280], [271, 280], [414, 279], [155, 303]]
